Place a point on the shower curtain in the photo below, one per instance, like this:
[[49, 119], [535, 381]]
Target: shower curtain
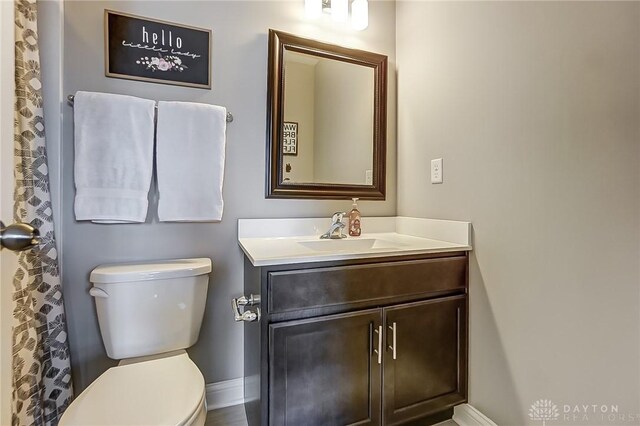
[[41, 377]]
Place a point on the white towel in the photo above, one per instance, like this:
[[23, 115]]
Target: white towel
[[190, 161], [113, 157]]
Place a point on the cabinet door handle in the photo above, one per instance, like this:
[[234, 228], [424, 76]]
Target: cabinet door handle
[[378, 351], [392, 327]]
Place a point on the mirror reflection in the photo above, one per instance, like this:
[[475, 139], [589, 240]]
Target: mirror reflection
[[328, 121]]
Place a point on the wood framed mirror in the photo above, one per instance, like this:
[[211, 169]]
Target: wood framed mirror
[[326, 120]]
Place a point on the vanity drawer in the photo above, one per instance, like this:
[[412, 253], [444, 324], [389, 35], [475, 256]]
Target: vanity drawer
[[363, 285]]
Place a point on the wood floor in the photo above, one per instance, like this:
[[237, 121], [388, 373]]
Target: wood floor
[[234, 416]]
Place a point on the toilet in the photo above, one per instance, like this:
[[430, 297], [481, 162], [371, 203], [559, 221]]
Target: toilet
[[148, 313]]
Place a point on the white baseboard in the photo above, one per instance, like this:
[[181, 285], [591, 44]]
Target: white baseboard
[[466, 415], [225, 394], [231, 392]]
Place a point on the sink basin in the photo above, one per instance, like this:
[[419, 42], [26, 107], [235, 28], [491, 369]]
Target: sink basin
[[349, 245]]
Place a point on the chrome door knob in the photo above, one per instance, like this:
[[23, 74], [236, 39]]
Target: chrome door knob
[[18, 236]]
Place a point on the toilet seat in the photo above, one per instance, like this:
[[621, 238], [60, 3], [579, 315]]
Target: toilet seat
[[165, 391]]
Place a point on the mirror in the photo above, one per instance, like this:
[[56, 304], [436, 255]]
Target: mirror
[[326, 120]]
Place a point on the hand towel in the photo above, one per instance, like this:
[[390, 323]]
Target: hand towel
[[113, 157], [190, 150]]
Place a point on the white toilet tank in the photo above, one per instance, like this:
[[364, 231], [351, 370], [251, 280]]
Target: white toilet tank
[[150, 308]]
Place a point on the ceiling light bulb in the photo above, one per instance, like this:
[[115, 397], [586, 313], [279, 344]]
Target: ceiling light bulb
[[359, 14], [313, 8], [339, 10]]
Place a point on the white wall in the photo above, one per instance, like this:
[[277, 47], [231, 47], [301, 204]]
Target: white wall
[[239, 67], [8, 261], [535, 108]]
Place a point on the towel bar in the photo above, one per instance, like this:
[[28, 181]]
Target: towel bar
[[70, 99]]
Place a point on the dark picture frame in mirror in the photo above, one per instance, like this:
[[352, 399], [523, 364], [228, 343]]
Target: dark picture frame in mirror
[[276, 186]]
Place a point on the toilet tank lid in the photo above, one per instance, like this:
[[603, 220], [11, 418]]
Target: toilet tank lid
[[154, 270]]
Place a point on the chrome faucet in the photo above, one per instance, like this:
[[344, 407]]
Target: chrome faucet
[[335, 230]]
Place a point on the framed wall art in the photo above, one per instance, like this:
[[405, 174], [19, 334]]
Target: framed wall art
[[145, 49]]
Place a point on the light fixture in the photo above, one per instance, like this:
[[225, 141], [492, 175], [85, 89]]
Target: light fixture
[[339, 11], [313, 8], [359, 14]]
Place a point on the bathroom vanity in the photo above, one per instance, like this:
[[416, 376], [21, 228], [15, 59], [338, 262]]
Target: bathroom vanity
[[369, 330]]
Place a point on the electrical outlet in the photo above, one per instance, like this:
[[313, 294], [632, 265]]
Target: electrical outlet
[[436, 170], [368, 177]]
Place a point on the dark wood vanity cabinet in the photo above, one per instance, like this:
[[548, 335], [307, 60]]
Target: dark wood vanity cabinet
[[430, 368], [323, 371], [366, 342]]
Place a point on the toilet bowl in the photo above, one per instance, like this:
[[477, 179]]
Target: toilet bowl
[[163, 391], [148, 314]]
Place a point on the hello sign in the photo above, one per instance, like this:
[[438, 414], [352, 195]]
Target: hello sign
[[138, 48]]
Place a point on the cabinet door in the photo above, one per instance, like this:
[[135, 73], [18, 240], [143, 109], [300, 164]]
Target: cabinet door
[[325, 371], [428, 373]]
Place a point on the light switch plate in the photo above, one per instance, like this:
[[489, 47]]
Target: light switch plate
[[368, 177], [436, 170]]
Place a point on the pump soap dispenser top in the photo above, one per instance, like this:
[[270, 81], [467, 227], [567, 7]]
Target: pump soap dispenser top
[[354, 220]]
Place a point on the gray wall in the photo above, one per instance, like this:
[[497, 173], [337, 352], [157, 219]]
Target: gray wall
[[239, 82], [344, 122], [535, 108], [299, 100]]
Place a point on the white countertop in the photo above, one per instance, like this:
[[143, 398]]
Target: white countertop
[[288, 241]]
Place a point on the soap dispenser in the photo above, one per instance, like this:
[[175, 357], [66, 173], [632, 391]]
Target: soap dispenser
[[354, 220]]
